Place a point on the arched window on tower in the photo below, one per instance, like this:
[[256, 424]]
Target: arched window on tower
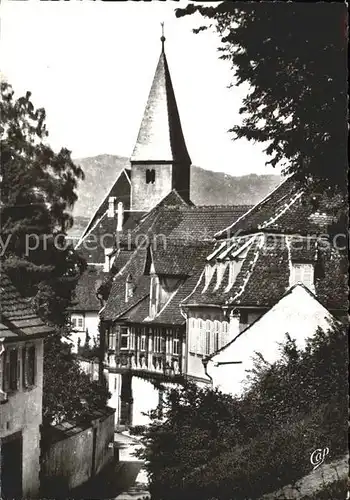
[[150, 176]]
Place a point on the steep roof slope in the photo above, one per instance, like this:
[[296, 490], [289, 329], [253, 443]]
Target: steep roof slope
[[287, 209], [121, 191], [160, 137], [265, 273], [18, 318]]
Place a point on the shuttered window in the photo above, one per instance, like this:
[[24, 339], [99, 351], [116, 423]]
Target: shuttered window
[[225, 334], [29, 357], [216, 345], [303, 273]]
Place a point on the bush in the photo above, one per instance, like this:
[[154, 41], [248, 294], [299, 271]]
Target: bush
[[212, 446]]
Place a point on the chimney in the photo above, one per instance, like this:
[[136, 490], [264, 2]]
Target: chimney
[[111, 206], [120, 216], [106, 266]]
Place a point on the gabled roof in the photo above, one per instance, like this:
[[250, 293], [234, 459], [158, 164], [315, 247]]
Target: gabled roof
[[183, 223], [175, 259], [136, 309], [121, 191], [160, 136], [17, 317], [297, 313], [288, 209]]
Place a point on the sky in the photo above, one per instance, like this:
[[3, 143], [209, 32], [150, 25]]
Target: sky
[[91, 65]]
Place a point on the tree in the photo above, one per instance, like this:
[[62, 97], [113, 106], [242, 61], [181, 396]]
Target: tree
[[212, 446], [37, 190], [294, 58], [37, 193], [68, 393]]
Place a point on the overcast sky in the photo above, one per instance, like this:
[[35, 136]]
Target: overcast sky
[[91, 64]]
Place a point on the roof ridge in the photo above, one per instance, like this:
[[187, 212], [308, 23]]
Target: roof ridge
[[260, 203]]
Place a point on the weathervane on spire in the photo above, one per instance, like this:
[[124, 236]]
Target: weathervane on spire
[[162, 39]]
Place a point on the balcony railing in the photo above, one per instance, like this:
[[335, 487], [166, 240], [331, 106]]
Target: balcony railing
[[167, 364]]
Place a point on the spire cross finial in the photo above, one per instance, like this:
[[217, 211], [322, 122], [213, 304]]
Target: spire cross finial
[[162, 39]]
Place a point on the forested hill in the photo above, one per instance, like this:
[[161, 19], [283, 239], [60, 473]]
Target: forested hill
[[207, 187]]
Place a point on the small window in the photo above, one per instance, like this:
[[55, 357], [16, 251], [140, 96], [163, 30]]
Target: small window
[[207, 337], [235, 267], [303, 273], [124, 338], [216, 335], [176, 343], [150, 176], [209, 271], [143, 343], [157, 343], [200, 337], [224, 335], [77, 321], [112, 340]]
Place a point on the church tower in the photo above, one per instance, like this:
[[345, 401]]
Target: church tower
[[160, 161]]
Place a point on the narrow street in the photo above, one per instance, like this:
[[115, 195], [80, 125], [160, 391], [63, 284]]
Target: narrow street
[[120, 480]]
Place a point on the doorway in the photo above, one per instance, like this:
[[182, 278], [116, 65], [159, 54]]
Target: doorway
[[11, 467]]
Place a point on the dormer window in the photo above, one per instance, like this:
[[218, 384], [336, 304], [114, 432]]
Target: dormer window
[[162, 290], [150, 176], [129, 288], [209, 271], [154, 293], [303, 273], [220, 271], [235, 267]]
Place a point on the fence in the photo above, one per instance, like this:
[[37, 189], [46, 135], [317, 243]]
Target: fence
[[72, 454]]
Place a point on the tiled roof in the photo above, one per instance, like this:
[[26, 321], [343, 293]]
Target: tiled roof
[[175, 259], [116, 305], [17, 316], [183, 223], [265, 273], [160, 136], [103, 235], [120, 190], [287, 209], [85, 292], [136, 309]]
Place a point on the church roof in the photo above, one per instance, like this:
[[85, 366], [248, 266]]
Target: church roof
[[120, 190], [160, 136]]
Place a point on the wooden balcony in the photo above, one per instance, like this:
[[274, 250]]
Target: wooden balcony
[[168, 365]]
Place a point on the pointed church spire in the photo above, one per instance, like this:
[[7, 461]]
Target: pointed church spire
[[160, 137], [162, 39]]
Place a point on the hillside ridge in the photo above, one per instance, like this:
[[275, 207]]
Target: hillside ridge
[[207, 187]]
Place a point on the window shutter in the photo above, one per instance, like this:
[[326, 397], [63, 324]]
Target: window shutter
[[224, 333], [6, 372]]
